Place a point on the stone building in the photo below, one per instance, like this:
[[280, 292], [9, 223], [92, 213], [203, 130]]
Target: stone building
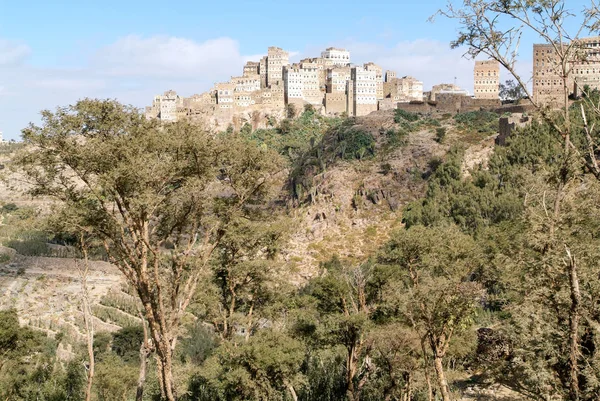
[[277, 58], [322, 66], [403, 90], [251, 68], [586, 72], [293, 82], [584, 68], [302, 84], [389, 75], [277, 95], [337, 78], [364, 93], [262, 69], [164, 107], [448, 89], [338, 57], [370, 66], [225, 94], [246, 83], [486, 79]]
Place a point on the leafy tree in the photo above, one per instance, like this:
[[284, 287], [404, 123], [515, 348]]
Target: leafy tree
[[426, 279], [127, 341], [158, 197], [264, 368], [510, 90], [345, 310]]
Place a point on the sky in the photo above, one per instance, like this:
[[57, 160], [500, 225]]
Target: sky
[[53, 53]]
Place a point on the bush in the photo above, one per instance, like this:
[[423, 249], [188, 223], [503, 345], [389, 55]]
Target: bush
[[386, 168], [481, 121], [355, 143], [440, 134], [397, 137], [8, 208], [402, 115]]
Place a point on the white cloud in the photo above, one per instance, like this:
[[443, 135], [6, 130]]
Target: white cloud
[[12, 52], [133, 69], [169, 57], [430, 61]]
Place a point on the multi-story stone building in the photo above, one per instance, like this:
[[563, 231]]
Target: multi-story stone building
[[338, 57], [246, 83], [225, 94], [301, 83], [378, 78], [251, 68], [277, 95], [262, 69], [293, 82], [337, 78], [164, 107], [486, 79], [389, 75], [322, 66], [584, 69], [364, 93], [277, 58], [403, 90]]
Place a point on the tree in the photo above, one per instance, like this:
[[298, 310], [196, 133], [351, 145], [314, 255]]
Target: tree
[[267, 367], [512, 91], [158, 197], [344, 307], [494, 28], [243, 275], [426, 279]]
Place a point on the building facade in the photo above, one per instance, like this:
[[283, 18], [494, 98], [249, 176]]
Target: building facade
[[378, 78], [583, 70], [364, 93], [277, 58], [403, 90], [338, 57], [486, 79], [164, 107]]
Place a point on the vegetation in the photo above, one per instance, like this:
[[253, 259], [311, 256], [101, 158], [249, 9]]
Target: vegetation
[[492, 279]]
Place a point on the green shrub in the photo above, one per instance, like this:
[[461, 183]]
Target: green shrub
[[397, 137], [355, 143], [440, 134], [481, 121], [401, 115], [8, 208], [386, 168]]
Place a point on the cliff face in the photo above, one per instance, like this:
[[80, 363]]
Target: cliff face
[[352, 206]]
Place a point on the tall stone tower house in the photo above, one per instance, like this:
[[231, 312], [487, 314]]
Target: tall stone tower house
[[277, 58], [486, 79]]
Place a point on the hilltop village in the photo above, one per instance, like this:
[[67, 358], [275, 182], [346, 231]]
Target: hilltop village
[[333, 85], [330, 83]]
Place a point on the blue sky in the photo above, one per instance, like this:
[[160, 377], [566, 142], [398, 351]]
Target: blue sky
[[55, 52]]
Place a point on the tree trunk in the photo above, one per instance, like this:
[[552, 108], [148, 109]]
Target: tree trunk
[[292, 392], [573, 328], [145, 350], [439, 370], [163, 350], [87, 318], [350, 372], [426, 370]]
